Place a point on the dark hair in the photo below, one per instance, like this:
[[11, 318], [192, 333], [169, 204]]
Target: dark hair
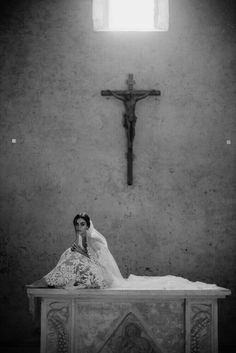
[[84, 216]]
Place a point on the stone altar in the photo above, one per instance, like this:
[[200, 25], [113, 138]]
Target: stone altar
[[127, 321]]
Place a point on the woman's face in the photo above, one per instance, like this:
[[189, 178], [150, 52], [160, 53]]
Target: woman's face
[[81, 226]]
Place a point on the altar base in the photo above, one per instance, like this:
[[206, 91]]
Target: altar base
[[122, 321]]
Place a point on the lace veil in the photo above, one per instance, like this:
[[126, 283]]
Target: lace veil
[[97, 245]]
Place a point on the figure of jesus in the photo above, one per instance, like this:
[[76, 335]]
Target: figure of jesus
[[130, 99]]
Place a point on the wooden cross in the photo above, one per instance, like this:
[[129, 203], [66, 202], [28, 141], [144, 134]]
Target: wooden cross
[[130, 97]]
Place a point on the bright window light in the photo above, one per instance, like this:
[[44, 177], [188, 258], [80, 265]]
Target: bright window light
[[131, 15]]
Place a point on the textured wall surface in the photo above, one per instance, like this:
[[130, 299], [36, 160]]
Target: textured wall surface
[[178, 218]]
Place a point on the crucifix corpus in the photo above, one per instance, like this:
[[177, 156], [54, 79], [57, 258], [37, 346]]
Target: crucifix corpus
[[130, 97]]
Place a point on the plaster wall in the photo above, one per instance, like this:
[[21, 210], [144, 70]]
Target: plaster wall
[[70, 151]]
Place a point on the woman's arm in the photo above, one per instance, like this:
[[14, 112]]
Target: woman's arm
[[77, 248]]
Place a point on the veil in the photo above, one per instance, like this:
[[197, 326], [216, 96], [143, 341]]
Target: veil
[[95, 235], [98, 247]]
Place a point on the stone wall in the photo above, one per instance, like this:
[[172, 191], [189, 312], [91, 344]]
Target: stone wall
[[70, 151]]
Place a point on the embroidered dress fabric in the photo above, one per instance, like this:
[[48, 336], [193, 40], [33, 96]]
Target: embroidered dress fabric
[[76, 270], [100, 270]]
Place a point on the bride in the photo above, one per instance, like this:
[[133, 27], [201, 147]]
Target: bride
[[88, 263]]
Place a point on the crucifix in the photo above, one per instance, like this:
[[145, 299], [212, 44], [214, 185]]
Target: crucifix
[[130, 97]]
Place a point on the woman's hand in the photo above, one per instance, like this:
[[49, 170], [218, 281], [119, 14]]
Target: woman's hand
[[77, 248]]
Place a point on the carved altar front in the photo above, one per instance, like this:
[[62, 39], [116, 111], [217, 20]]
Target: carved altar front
[[127, 321]]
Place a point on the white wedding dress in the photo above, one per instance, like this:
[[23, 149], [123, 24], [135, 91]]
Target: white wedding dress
[[100, 270]]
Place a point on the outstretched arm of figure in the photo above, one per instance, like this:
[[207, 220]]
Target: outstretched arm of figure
[[145, 95], [122, 98]]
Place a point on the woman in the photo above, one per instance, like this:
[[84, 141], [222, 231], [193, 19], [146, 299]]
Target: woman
[[88, 263]]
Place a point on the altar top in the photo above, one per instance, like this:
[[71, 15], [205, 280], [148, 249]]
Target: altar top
[[134, 294]]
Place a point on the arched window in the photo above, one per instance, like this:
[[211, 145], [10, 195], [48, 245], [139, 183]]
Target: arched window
[[131, 15]]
